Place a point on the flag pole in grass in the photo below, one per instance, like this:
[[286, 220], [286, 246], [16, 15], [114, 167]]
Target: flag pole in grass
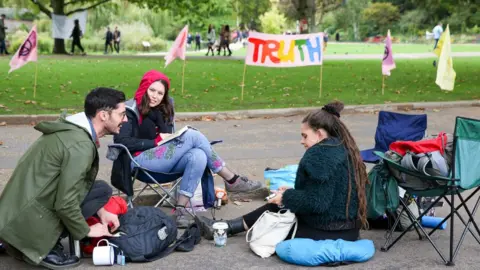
[[179, 49], [321, 79], [243, 80], [387, 63], [383, 85], [35, 82], [27, 52], [183, 74]]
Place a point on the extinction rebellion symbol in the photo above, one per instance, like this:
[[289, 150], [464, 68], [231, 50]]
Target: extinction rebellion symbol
[[386, 53], [28, 45]]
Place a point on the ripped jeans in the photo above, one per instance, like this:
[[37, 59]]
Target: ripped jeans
[[188, 154]]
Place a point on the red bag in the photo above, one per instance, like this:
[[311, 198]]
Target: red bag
[[424, 146]]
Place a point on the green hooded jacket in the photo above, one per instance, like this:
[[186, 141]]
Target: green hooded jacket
[[48, 185]]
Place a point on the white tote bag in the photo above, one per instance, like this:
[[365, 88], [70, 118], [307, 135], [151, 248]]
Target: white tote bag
[[270, 229]]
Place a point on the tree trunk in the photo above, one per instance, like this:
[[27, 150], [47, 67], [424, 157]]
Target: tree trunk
[[356, 34], [58, 9]]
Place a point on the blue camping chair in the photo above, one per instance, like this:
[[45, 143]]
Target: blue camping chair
[[393, 127], [464, 176]]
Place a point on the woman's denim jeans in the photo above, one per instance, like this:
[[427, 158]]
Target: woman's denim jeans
[[188, 154]]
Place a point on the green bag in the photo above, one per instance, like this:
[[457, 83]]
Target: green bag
[[382, 192]]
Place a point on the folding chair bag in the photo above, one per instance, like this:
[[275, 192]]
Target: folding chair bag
[[382, 192]]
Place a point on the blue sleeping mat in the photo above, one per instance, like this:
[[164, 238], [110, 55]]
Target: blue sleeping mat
[[309, 252]]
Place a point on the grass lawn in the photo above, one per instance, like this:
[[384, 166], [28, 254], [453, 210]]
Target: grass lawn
[[378, 48], [215, 85]]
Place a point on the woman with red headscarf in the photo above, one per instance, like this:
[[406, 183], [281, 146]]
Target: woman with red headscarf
[[150, 118]]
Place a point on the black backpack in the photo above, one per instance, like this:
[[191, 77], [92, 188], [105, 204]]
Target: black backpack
[[147, 234]]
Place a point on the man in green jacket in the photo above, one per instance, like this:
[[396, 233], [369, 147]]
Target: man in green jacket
[[50, 192]]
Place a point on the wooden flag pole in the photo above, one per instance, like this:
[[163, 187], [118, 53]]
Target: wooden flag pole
[[243, 80], [183, 74], [35, 82], [321, 79], [383, 85]]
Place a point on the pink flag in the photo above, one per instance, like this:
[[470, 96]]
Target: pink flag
[[27, 51], [179, 47], [388, 63]]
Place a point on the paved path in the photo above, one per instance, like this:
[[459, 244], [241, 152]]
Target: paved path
[[250, 146]]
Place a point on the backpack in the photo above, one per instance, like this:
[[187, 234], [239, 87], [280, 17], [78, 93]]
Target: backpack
[[382, 192], [430, 156], [146, 234]]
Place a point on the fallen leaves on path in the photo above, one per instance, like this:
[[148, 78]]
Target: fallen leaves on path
[[207, 118], [1, 143]]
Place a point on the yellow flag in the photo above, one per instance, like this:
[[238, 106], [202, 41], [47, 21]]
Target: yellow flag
[[445, 73], [438, 49]]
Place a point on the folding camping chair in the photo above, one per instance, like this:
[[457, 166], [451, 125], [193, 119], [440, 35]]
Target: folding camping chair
[[152, 180], [465, 175], [393, 127]]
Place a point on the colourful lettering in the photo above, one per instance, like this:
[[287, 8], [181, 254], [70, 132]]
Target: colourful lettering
[[270, 50], [257, 43], [314, 50], [299, 43], [290, 56], [267, 49]]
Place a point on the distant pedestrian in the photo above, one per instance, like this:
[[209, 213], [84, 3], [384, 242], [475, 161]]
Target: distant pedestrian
[[76, 36], [198, 39], [211, 39], [108, 40], [437, 33], [3, 36], [116, 39]]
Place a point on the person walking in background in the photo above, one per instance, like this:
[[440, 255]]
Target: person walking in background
[[325, 41], [225, 41], [108, 40], [437, 33], [116, 39], [221, 37], [198, 39], [211, 39], [3, 36], [76, 36]]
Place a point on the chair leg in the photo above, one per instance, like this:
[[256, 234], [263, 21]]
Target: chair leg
[[415, 222], [467, 228], [452, 210], [386, 246], [461, 219], [456, 210]]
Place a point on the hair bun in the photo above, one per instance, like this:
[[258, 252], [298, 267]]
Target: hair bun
[[334, 108]]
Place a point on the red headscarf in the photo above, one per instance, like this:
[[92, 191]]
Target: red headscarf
[[147, 80]]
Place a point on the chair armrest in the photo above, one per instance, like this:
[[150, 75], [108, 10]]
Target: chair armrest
[[114, 151], [402, 169]]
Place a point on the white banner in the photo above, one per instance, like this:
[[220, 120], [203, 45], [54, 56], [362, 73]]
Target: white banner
[[62, 26], [284, 50]]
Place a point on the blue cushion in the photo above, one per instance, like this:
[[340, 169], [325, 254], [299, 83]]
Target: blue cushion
[[309, 252]]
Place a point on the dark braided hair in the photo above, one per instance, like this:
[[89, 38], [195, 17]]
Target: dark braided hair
[[328, 118]]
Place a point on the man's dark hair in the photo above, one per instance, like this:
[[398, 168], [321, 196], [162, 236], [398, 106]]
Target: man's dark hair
[[102, 98], [3, 15]]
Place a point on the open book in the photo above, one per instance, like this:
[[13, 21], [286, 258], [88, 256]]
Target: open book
[[172, 136]]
